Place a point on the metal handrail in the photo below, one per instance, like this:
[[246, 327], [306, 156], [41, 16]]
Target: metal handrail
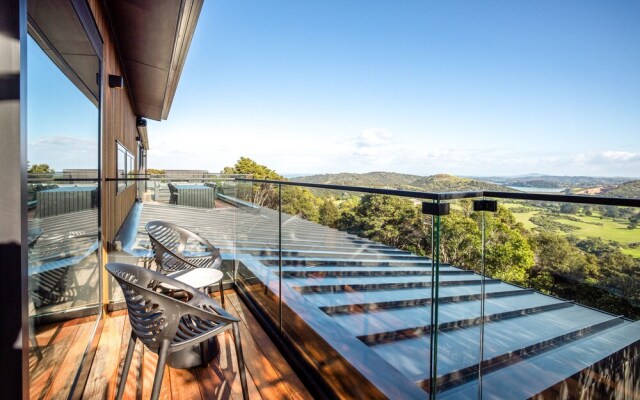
[[580, 199]]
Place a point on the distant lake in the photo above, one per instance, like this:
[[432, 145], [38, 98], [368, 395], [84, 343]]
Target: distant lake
[[537, 189]]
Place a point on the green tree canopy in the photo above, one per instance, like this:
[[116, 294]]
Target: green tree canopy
[[460, 241], [245, 165], [329, 213], [301, 202], [261, 194], [40, 169], [391, 220], [296, 200], [508, 255]]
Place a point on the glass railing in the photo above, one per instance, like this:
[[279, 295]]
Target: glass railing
[[573, 266], [455, 295], [343, 274], [400, 294], [63, 274]]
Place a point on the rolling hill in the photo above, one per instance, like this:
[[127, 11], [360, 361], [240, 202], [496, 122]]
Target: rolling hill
[[628, 190], [555, 181], [392, 180], [451, 183]]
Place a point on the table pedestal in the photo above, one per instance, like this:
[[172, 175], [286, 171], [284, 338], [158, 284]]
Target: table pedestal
[[199, 354], [195, 356]]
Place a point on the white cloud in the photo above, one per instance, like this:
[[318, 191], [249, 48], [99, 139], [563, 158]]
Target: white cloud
[[63, 151], [289, 147], [621, 156], [67, 141], [608, 157], [369, 143]]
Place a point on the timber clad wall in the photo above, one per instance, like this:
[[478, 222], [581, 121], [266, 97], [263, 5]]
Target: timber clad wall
[[118, 123]]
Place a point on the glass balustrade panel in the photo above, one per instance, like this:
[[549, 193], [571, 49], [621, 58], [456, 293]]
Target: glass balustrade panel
[[572, 269], [355, 276]]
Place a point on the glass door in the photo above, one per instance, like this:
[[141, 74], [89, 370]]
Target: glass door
[[63, 147]]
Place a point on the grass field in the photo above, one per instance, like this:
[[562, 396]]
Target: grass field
[[588, 227], [525, 218]]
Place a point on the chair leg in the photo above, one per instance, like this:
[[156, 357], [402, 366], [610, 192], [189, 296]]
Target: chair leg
[[222, 294], [125, 367], [162, 360], [243, 376]]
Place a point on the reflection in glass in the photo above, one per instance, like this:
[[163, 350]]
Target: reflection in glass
[[121, 167], [131, 169], [125, 166], [63, 208]]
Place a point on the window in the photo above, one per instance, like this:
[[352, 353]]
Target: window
[[126, 169]]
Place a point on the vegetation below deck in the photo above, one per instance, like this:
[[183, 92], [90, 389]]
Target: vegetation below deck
[[590, 254]]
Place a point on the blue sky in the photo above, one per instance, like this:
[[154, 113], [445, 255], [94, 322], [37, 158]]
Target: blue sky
[[62, 123], [423, 87]]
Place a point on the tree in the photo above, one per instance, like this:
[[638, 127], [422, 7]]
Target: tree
[[247, 166], [508, 255], [390, 220], [460, 241], [611, 211], [569, 208], [634, 220], [300, 202], [329, 213], [153, 171], [560, 262], [40, 169], [296, 200], [347, 209], [261, 194]]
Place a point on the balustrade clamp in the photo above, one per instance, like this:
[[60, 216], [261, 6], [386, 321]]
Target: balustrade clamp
[[485, 205], [435, 208]]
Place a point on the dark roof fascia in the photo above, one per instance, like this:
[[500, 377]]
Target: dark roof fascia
[[186, 29], [152, 97]]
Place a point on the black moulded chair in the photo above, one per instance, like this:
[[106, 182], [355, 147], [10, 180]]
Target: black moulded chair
[[165, 324], [177, 249], [173, 193]]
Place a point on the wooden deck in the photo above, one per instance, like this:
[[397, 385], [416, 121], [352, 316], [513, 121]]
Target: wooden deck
[[268, 373], [51, 371]]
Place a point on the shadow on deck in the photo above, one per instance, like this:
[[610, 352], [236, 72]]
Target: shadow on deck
[[269, 375]]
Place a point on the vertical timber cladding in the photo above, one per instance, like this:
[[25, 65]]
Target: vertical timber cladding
[[118, 122]]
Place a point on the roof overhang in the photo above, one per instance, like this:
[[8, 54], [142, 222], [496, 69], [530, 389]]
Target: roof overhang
[[153, 38]]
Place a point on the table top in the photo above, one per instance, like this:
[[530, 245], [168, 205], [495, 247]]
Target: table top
[[198, 277]]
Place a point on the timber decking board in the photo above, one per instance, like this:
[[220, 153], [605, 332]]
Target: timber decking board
[[105, 364], [62, 384], [276, 377], [61, 345], [269, 376]]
